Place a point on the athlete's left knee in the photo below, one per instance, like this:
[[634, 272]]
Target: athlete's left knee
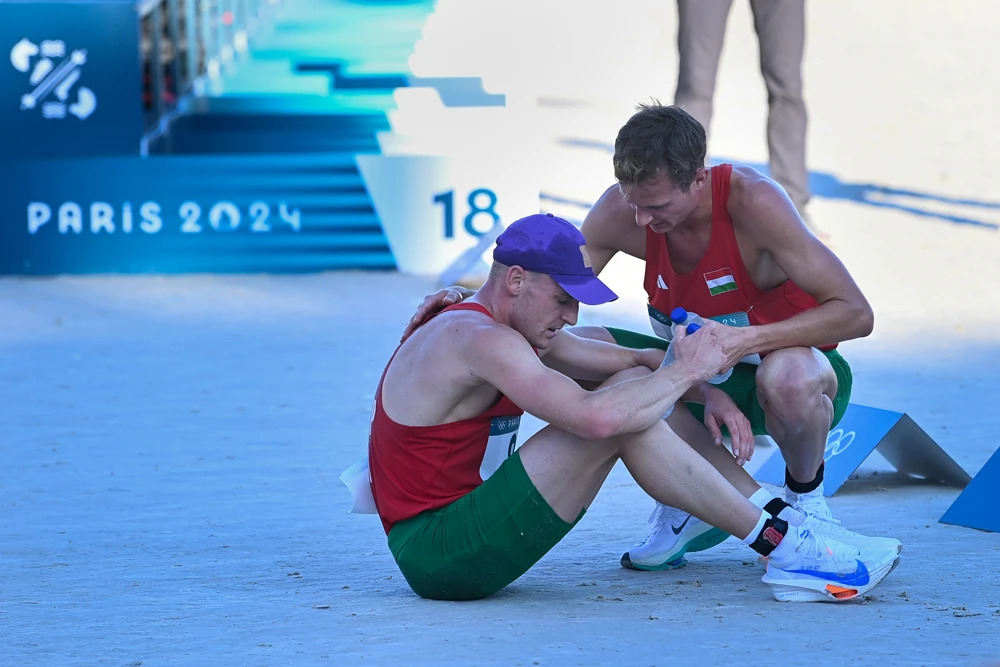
[[633, 373], [592, 332], [795, 377]]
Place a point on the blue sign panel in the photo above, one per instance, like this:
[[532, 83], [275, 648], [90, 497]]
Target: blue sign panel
[[847, 446], [864, 429], [69, 79], [976, 507], [169, 214]]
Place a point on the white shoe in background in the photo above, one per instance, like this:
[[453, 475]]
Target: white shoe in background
[[674, 533]]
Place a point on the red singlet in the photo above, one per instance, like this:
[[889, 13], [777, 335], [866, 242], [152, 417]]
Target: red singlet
[[419, 468]]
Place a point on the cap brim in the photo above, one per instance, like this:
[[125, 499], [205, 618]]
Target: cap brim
[[586, 289]]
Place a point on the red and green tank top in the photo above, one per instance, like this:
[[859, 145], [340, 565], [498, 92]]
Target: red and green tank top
[[419, 468], [719, 287]]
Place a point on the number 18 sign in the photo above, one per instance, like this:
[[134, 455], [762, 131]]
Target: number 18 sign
[[434, 208]]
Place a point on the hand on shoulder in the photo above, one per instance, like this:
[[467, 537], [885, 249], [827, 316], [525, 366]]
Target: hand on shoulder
[[435, 303]]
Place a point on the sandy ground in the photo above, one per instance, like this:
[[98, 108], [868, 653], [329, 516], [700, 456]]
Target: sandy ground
[[172, 445]]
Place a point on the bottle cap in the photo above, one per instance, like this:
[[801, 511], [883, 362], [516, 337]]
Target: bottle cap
[[678, 315], [691, 328]]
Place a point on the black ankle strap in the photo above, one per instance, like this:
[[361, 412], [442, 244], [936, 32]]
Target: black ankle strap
[[774, 506], [770, 536]]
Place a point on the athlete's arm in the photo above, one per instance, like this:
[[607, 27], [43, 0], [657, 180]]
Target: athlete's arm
[[502, 358], [763, 212], [610, 228], [591, 359]]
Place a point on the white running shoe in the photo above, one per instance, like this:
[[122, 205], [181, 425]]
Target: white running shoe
[[812, 503], [820, 519], [836, 531], [674, 533], [821, 569]]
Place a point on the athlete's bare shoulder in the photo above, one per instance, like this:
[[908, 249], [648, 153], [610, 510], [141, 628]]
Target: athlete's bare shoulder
[[457, 327], [436, 375], [747, 184], [756, 202], [611, 201], [610, 228], [468, 336]]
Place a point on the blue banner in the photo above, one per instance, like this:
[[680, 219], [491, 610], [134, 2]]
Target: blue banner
[[170, 214], [69, 79]]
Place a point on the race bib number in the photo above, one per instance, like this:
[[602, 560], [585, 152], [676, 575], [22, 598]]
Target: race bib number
[[661, 327], [501, 444], [739, 319]]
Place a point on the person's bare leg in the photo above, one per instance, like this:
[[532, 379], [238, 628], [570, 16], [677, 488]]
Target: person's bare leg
[[592, 332], [796, 387], [694, 433], [568, 472], [673, 473]]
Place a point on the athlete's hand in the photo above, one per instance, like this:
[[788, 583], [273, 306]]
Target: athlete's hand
[[701, 353], [735, 341], [720, 410], [434, 303]]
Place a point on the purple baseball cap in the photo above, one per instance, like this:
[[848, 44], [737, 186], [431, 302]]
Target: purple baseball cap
[[543, 243]]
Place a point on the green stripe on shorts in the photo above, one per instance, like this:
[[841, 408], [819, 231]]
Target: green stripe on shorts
[[481, 542]]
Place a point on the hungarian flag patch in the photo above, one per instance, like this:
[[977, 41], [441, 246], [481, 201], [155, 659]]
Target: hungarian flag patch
[[720, 282]]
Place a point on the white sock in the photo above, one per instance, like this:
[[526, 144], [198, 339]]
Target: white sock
[[760, 498], [761, 520]]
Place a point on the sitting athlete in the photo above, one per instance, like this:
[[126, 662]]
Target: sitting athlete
[[466, 513]]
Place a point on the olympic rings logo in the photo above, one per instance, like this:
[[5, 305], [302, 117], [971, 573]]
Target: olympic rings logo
[[837, 442]]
